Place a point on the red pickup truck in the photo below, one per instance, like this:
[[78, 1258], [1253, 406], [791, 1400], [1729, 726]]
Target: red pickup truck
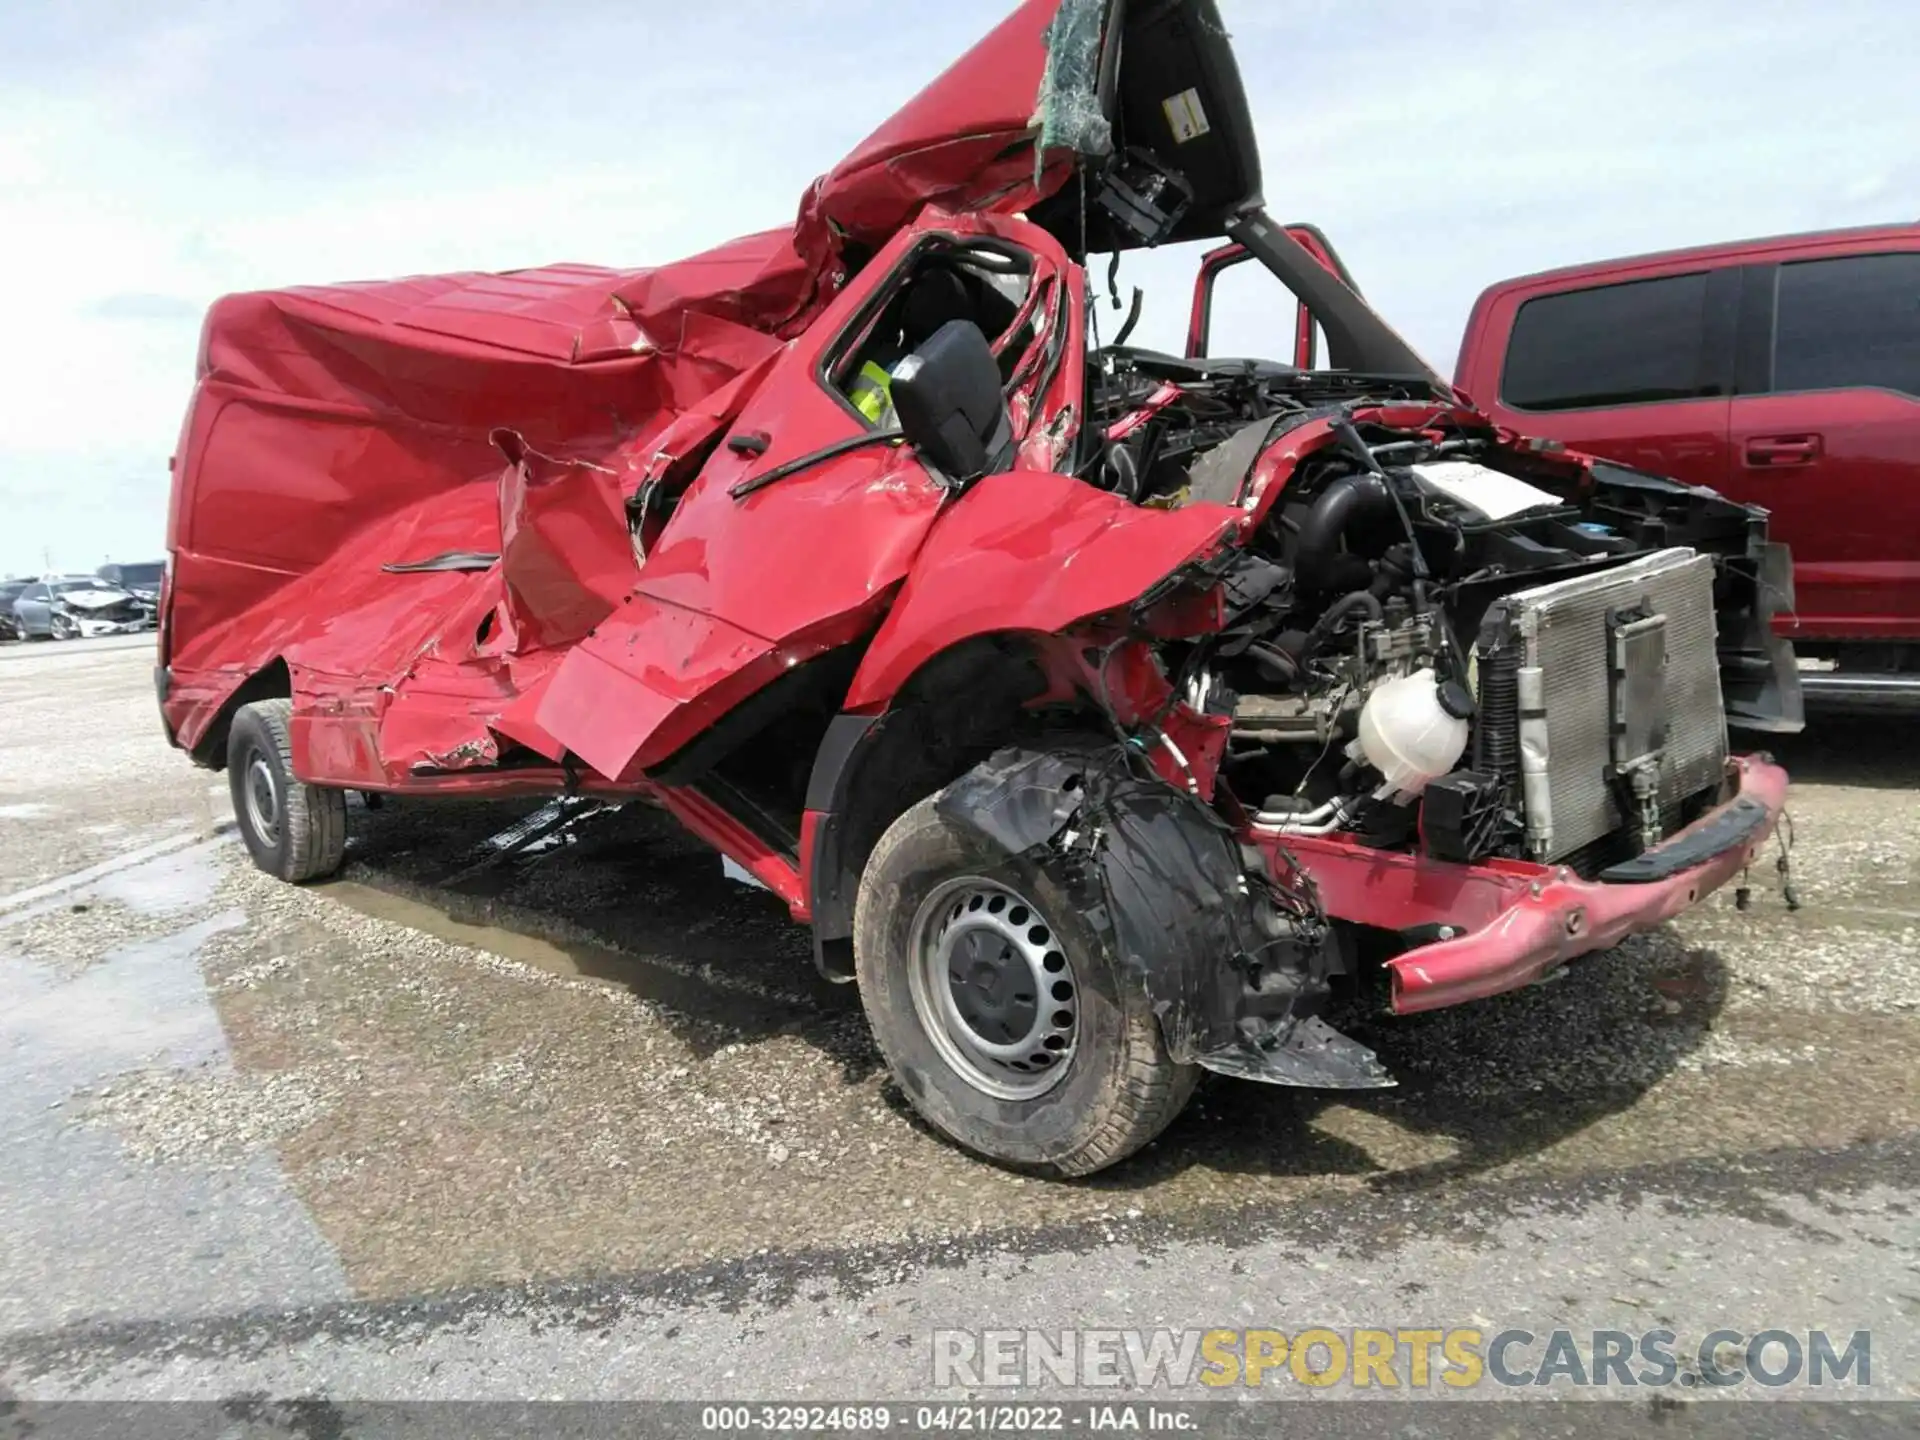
[[1784, 373]]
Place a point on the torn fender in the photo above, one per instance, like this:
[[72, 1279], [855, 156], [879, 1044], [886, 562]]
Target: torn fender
[[1028, 551], [653, 676], [1232, 960], [610, 701]]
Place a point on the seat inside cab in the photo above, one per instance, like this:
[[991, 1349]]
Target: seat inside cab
[[939, 284]]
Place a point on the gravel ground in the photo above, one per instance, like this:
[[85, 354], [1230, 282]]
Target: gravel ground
[[609, 1078]]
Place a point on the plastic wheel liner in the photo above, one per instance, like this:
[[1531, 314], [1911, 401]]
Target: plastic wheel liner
[[1233, 961]]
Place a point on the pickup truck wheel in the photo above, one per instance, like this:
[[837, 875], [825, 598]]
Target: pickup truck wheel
[[294, 831], [1000, 1012]]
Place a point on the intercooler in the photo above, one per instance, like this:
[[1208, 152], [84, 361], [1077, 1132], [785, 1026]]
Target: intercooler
[[1590, 683]]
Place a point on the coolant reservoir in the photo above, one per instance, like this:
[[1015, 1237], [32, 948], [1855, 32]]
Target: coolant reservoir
[[1413, 729]]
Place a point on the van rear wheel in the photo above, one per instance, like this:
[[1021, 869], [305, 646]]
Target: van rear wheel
[[294, 831]]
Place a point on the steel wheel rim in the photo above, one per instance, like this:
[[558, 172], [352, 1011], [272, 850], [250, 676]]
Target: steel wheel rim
[[263, 798], [993, 989]]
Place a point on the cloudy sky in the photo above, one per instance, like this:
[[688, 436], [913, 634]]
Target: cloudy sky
[[155, 155]]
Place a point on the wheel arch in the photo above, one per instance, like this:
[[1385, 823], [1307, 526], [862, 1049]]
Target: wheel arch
[[272, 681], [959, 706]]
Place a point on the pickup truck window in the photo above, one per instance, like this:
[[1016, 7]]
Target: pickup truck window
[[1848, 323], [1611, 345]]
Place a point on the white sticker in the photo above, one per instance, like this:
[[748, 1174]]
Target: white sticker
[[1185, 117]]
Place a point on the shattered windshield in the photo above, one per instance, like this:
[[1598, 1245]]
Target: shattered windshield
[[1070, 113]]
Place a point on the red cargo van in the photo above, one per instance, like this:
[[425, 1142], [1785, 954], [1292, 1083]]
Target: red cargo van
[[1784, 373]]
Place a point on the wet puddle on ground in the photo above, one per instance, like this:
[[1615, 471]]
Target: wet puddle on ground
[[701, 990], [418, 914]]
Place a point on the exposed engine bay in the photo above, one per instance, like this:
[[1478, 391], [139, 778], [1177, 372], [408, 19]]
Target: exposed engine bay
[[1417, 589]]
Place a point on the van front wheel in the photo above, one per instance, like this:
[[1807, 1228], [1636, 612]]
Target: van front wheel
[[1000, 1011]]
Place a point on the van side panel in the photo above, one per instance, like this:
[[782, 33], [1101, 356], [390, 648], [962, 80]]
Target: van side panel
[[361, 426]]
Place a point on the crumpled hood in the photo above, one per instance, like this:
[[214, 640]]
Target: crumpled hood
[[967, 133], [104, 598]]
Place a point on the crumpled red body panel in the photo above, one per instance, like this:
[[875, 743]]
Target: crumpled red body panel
[[1029, 552], [565, 557], [960, 143], [611, 697], [338, 432], [735, 591]]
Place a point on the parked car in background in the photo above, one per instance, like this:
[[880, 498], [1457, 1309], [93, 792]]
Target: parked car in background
[[141, 580], [10, 592], [1782, 372], [72, 607]]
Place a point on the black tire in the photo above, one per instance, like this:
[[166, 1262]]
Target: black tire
[[300, 834], [55, 632], [1119, 1089]]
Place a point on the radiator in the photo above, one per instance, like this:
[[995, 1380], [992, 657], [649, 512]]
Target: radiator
[[1609, 668]]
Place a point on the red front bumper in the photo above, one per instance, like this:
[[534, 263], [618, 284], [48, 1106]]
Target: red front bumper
[[1517, 921]]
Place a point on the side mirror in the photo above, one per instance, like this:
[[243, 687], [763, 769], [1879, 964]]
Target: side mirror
[[947, 397]]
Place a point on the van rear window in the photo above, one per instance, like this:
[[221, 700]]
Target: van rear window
[[1613, 345], [1846, 323]]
